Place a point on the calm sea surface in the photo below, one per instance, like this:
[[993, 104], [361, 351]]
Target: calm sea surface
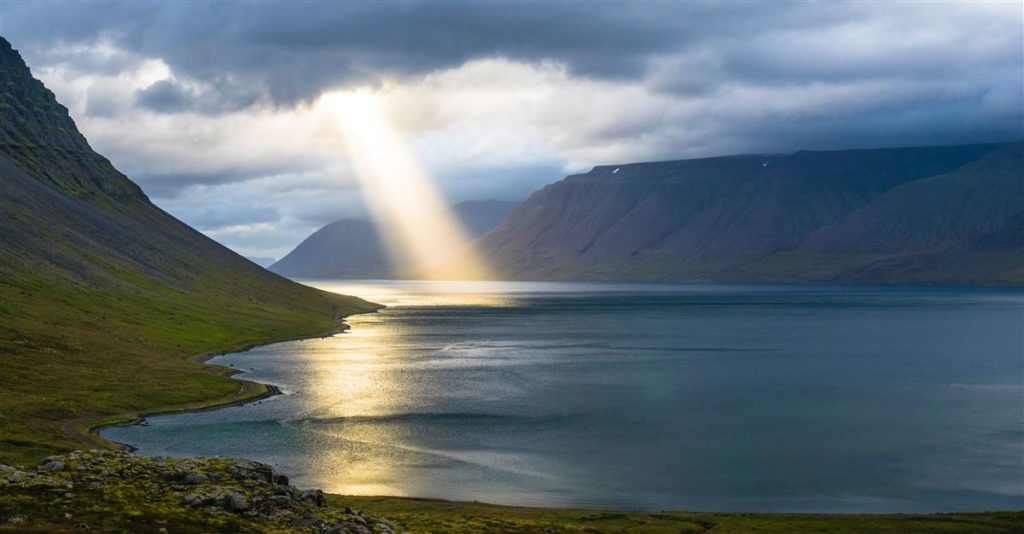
[[709, 397]]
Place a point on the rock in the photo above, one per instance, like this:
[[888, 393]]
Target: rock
[[250, 470], [162, 530], [308, 519], [69, 495], [67, 515], [193, 499], [236, 502], [16, 520], [52, 465], [81, 526], [315, 496], [281, 479], [276, 502], [264, 471], [195, 478]]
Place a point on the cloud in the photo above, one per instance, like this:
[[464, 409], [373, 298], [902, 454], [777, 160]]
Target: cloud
[[211, 106], [295, 51], [165, 96]]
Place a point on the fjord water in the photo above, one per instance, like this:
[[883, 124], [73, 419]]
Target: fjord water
[[702, 397]]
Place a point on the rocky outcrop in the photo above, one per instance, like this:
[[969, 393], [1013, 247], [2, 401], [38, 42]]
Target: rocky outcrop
[[79, 489]]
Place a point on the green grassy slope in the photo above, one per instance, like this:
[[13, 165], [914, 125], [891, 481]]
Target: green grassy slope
[[104, 297]]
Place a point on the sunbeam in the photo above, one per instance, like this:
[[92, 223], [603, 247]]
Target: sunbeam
[[422, 235]]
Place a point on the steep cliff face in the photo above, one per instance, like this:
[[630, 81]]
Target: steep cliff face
[[37, 133], [102, 294], [741, 217], [353, 248]]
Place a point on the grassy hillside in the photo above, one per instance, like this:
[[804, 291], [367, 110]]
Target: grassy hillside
[[105, 300]]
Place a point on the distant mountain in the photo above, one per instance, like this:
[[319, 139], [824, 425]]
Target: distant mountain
[[104, 296], [932, 214], [352, 248], [261, 261]]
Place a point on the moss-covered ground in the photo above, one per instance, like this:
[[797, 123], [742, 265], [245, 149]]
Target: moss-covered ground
[[438, 516]]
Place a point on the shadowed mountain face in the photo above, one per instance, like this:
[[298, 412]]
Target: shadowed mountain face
[[933, 214], [352, 248], [70, 218], [102, 292]]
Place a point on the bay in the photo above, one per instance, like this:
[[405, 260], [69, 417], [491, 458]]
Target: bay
[[642, 396]]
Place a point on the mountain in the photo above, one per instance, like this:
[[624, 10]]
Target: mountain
[[261, 261], [947, 214], [104, 297], [347, 248], [352, 248]]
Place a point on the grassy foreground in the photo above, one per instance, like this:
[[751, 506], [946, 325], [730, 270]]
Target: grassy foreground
[[432, 515], [120, 492]]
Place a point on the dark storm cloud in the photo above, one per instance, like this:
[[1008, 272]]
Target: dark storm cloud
[[296, 49], [293, 51]]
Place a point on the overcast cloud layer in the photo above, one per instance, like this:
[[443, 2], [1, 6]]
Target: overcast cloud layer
[[211, 106]]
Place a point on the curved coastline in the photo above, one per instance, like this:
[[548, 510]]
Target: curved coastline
[[86, 429]]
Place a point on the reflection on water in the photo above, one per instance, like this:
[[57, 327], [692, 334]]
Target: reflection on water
[[353, 387], [642, 396], [446, 293]]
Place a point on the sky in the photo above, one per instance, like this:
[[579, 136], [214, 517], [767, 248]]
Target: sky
[[214, 108]]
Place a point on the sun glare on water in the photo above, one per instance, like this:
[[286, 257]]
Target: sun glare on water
[[423, 237]]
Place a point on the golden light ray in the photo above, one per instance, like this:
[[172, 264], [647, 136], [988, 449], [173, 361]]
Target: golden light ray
[[418, 228]]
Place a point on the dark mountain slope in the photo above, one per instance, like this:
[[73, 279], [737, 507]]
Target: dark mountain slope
[[352, 248], [103, 295], [723, 218], [961, 226]]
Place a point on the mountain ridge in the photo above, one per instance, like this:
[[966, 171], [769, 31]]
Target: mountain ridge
[[726, 218]]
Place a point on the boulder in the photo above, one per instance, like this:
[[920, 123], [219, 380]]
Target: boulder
[[52, 465], [236, 502], [194, 477], [315, 496]]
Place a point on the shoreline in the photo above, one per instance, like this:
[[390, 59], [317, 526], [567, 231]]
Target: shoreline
[[86, 429]]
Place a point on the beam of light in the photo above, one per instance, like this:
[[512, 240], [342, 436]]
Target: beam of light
[[421, 234]]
